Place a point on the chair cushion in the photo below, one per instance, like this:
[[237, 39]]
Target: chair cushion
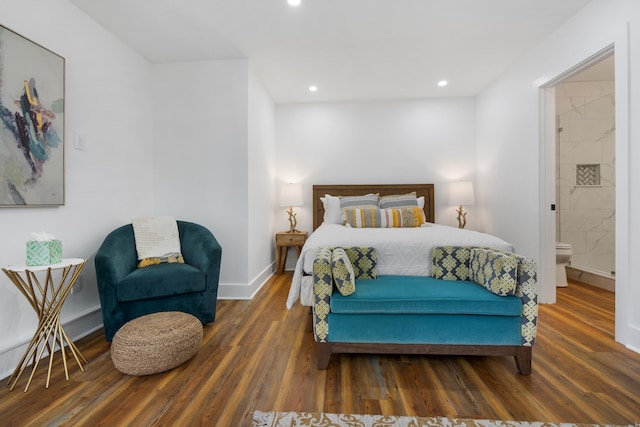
[[161, 280], [423, 295]]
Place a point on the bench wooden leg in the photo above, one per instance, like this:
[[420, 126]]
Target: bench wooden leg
[[523, 360], [324, 354]]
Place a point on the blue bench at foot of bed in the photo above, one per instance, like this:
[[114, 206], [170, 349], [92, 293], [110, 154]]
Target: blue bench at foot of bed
[[424, 315]]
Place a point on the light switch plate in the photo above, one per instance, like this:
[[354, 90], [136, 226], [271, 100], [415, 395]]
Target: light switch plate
[[78, 141]]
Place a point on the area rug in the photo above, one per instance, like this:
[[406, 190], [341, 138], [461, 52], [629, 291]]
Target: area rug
[[308, 419]]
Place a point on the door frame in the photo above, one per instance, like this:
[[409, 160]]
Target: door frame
[[547, 134]]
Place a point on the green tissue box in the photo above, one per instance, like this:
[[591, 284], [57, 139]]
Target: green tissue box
[[44, 253]]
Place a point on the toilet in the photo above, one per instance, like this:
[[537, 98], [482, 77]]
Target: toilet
[[563, 255]]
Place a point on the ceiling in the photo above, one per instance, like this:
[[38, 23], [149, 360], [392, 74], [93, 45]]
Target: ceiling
[[350, 49]]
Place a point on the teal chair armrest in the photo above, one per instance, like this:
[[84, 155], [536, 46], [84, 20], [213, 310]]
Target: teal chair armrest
[[116, 257], [200, 248]]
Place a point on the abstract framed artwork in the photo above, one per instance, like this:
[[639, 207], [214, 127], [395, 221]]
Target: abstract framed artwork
[[31, 123]]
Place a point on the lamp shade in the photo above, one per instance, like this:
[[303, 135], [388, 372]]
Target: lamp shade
[[291, 195], [461, 193]]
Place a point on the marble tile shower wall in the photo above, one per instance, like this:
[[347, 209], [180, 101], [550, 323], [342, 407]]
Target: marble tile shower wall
[[586, 136]]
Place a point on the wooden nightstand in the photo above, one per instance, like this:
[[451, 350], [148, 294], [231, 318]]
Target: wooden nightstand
[[285, 240]]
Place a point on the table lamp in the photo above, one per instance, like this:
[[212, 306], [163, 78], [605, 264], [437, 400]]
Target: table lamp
[[461, 193], [291, 195]]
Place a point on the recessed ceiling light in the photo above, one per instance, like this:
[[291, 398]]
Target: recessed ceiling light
[[443, 83], [313, 88], [293, 2]]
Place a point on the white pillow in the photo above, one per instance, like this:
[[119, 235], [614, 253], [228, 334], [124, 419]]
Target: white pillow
[[421, 202], [332, 212]]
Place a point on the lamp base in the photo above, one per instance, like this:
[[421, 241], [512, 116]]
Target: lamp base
[[292, 221], [462, 217]]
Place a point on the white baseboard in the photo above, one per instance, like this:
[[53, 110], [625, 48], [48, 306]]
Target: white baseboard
[[77, 326], [245, 291], [591, 278]]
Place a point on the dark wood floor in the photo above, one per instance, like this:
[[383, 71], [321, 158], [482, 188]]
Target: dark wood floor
[[260, 356]]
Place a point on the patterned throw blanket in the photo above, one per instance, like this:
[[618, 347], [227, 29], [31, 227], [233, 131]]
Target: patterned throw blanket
[[157, 240]]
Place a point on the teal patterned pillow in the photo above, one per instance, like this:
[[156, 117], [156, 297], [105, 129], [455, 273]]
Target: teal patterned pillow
[[364, 261], [451, 262], [342, 272], [495, 271]]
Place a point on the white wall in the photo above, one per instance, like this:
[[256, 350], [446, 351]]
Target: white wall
[[214, 162], [106, 100], [509, 137], [261, 194], [200, 152], [410, 141]]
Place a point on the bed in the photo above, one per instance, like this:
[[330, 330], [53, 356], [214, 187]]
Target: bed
[[400, 251]]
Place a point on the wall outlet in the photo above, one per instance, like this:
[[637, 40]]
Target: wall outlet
[[77, 287]]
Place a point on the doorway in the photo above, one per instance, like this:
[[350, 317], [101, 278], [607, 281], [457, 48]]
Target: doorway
[[585, 172], [549, 170]]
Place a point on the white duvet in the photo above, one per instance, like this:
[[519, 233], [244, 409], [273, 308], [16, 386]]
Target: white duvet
[[401, 251]]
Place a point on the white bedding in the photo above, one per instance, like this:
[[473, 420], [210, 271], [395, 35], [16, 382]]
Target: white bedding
[[401, 251]]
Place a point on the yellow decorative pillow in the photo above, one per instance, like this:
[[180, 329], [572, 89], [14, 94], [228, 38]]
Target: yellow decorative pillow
[[170, 258], [383, 218]]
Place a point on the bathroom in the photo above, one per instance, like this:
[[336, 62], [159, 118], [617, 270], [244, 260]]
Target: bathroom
[[585, 177]]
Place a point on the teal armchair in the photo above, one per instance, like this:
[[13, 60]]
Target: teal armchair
[[127, 292]]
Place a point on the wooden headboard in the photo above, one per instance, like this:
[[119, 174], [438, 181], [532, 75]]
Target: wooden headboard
[[425, 190]]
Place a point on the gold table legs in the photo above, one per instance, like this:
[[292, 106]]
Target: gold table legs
[[47, 300]]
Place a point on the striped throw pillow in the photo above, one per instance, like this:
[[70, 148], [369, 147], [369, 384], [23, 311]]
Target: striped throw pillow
[[367, 200], [383, 218], [398, 201]]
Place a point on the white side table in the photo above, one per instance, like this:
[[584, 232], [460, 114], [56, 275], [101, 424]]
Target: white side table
[[47, 300]]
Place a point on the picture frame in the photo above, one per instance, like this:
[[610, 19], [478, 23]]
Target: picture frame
[[32, 92]]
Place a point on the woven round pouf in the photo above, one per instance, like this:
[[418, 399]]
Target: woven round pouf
[[156, 343]]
